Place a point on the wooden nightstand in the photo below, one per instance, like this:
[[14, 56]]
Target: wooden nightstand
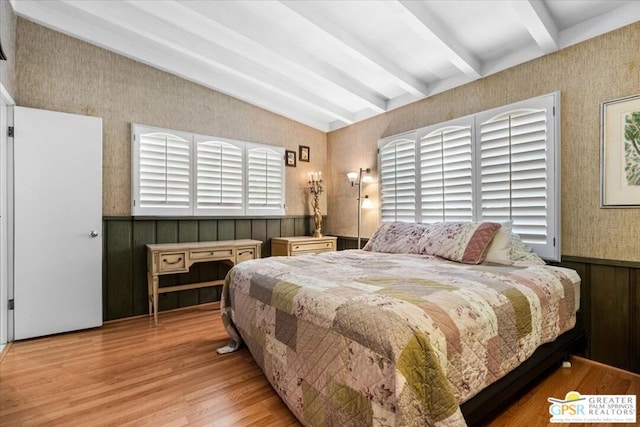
[[291, 246]]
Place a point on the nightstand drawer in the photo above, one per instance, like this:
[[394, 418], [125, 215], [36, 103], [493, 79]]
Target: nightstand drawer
[[212, 254], [172, 261], [322, 246]]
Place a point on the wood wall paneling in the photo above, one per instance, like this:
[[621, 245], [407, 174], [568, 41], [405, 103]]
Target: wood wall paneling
[[287, 227], [273, 230], [119, 269], [610, 315], [584, 314], [243, 229], [125, 257], [144, 232], [610, 309], [634, 357], [226, 229]]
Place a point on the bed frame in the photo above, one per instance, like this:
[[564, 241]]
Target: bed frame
[[498, 396]]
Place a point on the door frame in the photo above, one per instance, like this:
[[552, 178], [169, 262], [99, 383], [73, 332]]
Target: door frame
[[6, 216]]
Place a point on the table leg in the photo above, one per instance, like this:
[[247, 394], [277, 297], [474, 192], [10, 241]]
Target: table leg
[[150, 292], [155, 300]]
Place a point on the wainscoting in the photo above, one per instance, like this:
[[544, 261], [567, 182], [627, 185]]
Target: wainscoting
[[611, 309], [125, 258]]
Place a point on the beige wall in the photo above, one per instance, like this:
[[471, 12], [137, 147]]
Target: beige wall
[[8, 39], [60, 73], [587, 74], [57, 72]]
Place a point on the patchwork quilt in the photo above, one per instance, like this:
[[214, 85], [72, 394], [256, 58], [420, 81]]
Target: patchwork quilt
[[367, 338]]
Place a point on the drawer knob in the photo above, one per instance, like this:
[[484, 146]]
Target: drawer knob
[[169, 262], [245, 252]]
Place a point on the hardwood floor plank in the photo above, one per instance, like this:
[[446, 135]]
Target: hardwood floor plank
[[130, 373], [585, 377]]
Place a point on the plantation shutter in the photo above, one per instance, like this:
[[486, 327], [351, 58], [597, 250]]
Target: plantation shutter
[[265, 182], [445, 175], [397, 161], [219, 178], [163, 173], [514, 172], [497, 165]]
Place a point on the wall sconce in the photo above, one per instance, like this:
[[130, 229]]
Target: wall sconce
[[356, 179]]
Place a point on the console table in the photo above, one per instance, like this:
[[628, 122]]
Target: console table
[[172, 258]]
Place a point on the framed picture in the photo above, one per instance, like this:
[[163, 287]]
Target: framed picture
[[304, 153], [290, 158], [620, 153]]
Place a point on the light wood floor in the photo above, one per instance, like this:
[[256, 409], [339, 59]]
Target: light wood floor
[[129, 373]]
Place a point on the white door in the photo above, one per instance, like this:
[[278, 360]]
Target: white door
[[57, 222]]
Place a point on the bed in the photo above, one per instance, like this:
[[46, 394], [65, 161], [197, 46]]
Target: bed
[[402, 333]]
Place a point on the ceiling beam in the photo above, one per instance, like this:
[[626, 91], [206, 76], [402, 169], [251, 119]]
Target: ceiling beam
[[95, 30], [457, 54], [535, 16], [219, 15], [213, 55], [357, 48], [612, 20]]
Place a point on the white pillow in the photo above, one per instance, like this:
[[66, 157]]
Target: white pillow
[[521, 254], [500, 249]]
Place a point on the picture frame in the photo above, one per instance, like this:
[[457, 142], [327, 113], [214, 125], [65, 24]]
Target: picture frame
[[304, 153], [620, 153], [290, 158]]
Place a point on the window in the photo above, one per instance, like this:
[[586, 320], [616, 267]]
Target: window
[[445, 174], [219, 178], [181, 174], [398, 173], [516, 172], [497, 165], [265, 187], [163, 172]]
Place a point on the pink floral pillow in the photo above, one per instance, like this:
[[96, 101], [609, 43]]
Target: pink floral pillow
[[465, 242], [396, 238]]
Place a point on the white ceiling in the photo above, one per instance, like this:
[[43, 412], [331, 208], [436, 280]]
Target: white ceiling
[[328, 64]]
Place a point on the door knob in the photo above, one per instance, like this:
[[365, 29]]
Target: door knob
[[93, 233]]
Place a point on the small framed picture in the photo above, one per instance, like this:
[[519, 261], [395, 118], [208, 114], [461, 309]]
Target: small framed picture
[[290, 158], [304, 153]]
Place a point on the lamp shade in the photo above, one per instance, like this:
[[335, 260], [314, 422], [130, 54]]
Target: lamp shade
[[367, 177], [353, 177], [367, 203]]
